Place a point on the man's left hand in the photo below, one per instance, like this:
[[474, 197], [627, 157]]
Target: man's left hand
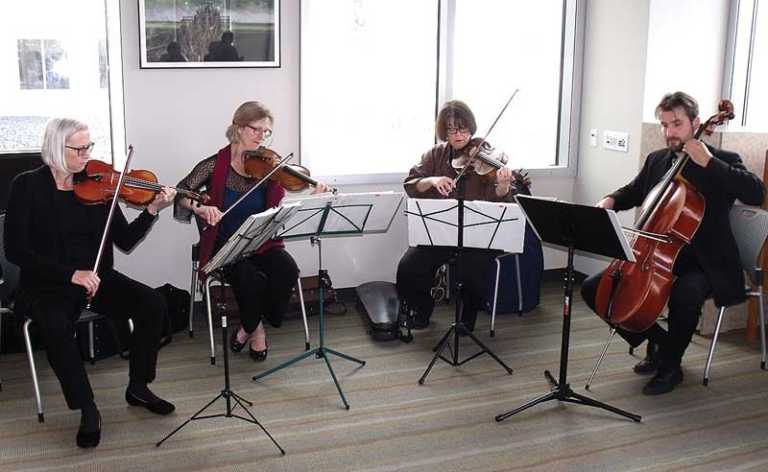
[[698, 151]]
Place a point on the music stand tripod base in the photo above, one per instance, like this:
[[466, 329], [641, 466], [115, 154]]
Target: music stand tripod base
[[562, 223], [229, 397], [320, 352]]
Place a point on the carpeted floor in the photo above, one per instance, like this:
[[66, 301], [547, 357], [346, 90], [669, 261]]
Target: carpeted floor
[[394, 423]]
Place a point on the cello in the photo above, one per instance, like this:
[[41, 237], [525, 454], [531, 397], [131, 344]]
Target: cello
[[632, 295]]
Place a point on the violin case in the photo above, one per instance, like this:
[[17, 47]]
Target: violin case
[[378, 306]]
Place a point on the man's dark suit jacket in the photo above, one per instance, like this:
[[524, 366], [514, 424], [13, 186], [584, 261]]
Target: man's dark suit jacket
[[724, 180]]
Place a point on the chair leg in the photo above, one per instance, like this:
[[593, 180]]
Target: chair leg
[[192, 292], [705, 382], [600, 359], [761, 310], [91, 347], [207, 296], [33, 369], [303, 313], [495, 298]]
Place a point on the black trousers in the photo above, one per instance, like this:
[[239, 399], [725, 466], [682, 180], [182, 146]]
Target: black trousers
[[416, 271], [55, 310], [262, 285], [689, 292]]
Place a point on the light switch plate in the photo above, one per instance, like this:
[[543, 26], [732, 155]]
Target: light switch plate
[[616, 140]]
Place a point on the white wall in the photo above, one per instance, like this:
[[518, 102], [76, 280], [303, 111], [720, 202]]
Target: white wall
[[174, 118], [612, 98]]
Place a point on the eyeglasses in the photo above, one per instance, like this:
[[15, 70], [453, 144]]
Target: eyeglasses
[[454, 131], [81, 150], [266, 132]]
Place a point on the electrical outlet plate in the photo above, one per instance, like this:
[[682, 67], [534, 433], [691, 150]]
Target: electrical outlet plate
[[616, 140]]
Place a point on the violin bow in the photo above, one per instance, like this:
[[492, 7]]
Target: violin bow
[[482, 141], [112, 207]]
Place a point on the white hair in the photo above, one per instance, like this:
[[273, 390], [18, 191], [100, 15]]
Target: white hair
[[57, 131]]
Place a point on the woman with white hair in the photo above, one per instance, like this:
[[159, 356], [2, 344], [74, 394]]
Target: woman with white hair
[[54, 239]]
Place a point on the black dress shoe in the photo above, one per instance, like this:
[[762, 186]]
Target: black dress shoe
[[650, 363], [665, 380], [86, 439], [157, 405], [234, 344], [258, 356]]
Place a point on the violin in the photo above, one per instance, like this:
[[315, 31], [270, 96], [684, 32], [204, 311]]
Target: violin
[[484, 160], [291, 177], [96, 184]]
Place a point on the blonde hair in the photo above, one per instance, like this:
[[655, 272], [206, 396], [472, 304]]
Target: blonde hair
[[247, 113], [57, 131]]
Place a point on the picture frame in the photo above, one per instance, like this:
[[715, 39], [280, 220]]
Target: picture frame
[[205, 34]]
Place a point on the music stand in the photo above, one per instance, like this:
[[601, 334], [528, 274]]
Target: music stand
[[586, 228], [254, 231], [341, 215], [464, 224]]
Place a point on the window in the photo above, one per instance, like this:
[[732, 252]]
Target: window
[[56, 68], [369, 97], [42, 64], [367, 85], [749, 63]]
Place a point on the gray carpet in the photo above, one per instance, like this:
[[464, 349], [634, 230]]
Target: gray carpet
[[395, 424]]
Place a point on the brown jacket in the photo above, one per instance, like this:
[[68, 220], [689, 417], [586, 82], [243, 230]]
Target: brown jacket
[[437, 163]]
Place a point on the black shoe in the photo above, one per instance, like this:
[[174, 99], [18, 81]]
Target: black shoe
[[420, 321], [156, 405], [234, 344], [258, 356], [86, 439], [664, 381], [650, 363]]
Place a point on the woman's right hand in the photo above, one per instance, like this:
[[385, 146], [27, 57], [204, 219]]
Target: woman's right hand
[[210, 214], [87, 279], [444, 185]]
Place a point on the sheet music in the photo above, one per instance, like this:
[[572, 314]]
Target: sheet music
[[342, 214], [254, 231], [487, 225]]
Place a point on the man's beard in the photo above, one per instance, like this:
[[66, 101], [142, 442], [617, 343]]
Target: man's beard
[[675, 144]]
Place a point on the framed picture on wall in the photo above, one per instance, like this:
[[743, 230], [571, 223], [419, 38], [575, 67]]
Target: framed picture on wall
[[176, 34]]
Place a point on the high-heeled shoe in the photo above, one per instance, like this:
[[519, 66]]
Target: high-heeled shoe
[[236, 345], [258, 356]]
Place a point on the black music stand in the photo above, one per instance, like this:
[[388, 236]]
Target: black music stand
[[505, 230], [586, 228], [254, 231], [335, 216]]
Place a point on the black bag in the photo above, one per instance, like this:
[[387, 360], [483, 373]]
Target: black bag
[[178, 311]]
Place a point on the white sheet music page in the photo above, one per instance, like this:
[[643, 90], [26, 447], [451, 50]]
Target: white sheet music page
[[487, 225], [343, 214]]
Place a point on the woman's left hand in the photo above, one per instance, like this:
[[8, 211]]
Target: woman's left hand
[[503, 181], [321, 188], [163, 198]]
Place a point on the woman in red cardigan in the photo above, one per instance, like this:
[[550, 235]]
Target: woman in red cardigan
[[261, 282]]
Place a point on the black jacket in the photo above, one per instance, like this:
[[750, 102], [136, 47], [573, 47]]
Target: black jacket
[[33, 238], [723, 180]]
